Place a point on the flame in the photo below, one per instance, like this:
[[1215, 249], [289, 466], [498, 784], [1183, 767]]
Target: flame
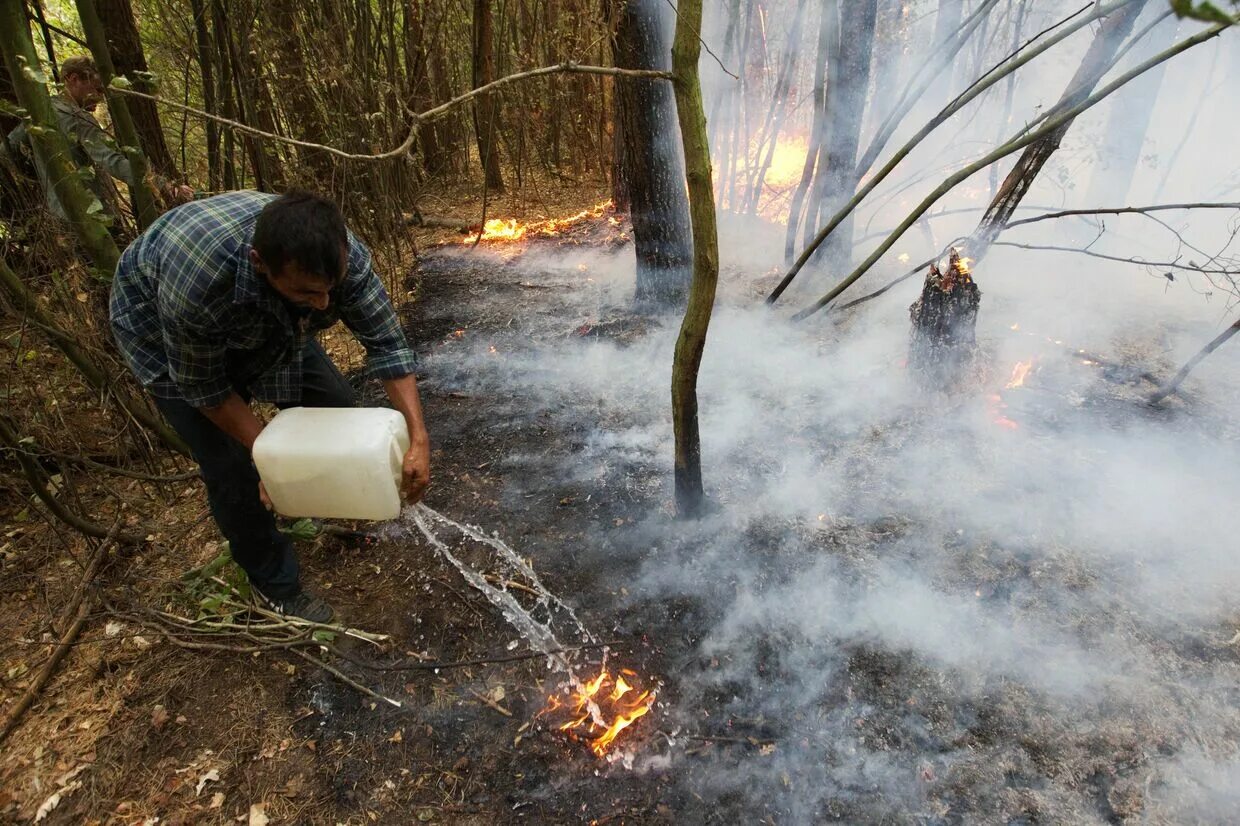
[[779, 177], [964, 266], [1019, 372], [510, 230], [593, 701]]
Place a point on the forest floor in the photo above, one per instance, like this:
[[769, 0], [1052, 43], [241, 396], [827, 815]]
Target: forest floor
[[755, 722]]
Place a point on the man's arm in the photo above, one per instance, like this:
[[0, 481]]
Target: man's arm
[[368, 312], [417, 466], [234, 417], [82, 127]]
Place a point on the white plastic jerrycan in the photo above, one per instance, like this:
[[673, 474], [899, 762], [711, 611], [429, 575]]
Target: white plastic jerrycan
[[333, 462]]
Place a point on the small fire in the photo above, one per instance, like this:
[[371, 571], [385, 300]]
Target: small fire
[[593, 702], [510, 230], [1019, 372], [964, 265], [499, 229]]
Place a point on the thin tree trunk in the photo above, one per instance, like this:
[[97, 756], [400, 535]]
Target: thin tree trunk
[[946, 21], [686, 49], [843, 137], [205, 49], [129, 60], [486, 107], [1129, 120], [140, 193], [779, 107], [826, 29]]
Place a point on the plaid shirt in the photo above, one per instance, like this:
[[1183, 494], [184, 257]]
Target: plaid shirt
[[194, 321]]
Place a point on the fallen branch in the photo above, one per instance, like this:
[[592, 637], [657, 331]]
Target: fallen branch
[[568, 67], [37, 478], [1174, 383], [78, 609]]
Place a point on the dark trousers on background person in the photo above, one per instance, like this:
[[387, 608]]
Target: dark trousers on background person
[[266, 555]]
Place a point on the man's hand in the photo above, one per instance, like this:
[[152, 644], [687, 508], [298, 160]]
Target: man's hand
[[417, 466], [416, 470], [264, 498]]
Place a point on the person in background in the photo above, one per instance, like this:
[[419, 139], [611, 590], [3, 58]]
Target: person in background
[[89, 146], [217, 303]]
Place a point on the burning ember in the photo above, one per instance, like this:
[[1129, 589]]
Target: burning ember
[[600, 709], [510, 230], [1019, 372]]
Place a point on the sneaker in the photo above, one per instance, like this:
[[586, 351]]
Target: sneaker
[[302, 605]]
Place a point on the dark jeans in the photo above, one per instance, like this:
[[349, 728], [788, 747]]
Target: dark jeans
[[266, 555]]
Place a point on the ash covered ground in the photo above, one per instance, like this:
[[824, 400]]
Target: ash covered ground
[[1005, 603]]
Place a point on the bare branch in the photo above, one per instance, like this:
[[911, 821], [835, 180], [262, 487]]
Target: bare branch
[[1139, 210], [418, 119], [1170, 265]]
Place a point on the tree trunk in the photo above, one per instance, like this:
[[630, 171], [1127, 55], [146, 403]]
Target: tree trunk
[[1129, 120], [850, 84], [130, 145], [486, 107], [129, 60], [654, 168], [418, 85], [48, 143], [284, 32], [690, 496], [1099, 58], [203, 46], [946, 21], [826, 32]]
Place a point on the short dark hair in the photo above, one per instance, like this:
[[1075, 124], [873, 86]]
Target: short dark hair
[[81, 65], [306, 229]]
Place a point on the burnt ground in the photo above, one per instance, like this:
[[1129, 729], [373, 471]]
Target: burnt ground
[[760, 719]]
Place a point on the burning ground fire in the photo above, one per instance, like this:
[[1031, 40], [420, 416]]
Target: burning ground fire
[[510, 230], [599, 710]]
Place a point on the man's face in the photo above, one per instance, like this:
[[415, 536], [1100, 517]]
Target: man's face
[[298, 287], [85, 90]]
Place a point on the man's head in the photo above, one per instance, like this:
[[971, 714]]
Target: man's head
[[300, 248], [82, 82]]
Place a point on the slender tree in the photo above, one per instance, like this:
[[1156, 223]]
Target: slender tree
[[140, 191], [686, 49], [487, 125], [129, 61], [850, 79]]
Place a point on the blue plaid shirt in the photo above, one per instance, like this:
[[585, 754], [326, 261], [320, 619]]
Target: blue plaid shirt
[[195, 322]]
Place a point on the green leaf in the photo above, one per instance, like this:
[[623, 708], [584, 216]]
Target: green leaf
[[303, 530], [1206, 11], [121, 82], [324, 637], [95, 207]]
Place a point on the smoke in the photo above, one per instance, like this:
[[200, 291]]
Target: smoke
[[911, 605]]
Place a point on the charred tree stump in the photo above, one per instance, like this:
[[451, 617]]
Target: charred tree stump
[[944, 322]]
